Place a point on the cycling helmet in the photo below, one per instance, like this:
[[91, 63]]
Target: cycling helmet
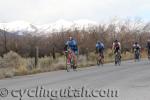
[[70, 38], [116, 40], [136, 42]]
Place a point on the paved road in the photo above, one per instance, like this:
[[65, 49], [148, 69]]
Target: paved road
[[130, 81]]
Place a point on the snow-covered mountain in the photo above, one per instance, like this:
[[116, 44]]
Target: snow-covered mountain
[[56, 26], [65, 25], [18, 26], [22, 26]]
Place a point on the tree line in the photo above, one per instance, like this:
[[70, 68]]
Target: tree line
[[126, 31]]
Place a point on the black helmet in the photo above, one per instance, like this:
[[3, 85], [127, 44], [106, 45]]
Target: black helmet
[[116, 40]]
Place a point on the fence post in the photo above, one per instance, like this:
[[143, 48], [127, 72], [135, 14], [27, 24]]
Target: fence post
[[87, 54], [53, 53], [36, 56]]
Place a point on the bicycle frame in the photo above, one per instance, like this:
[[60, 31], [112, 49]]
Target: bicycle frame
[[100, 59], [117, 58], [137, 55], [70, 63]]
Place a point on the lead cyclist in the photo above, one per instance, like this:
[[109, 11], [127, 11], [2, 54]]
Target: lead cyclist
[[71, 45]]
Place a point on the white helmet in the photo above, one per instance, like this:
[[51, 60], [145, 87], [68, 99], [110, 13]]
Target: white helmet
[[70, 38]]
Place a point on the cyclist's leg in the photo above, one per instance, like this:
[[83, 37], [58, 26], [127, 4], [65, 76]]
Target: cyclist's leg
[[101, 56], [120, 54], [115, 55], [74, 60], [139, 54], [98, 55], [148, 53], [115, 51], [69, 58], [135, 55]]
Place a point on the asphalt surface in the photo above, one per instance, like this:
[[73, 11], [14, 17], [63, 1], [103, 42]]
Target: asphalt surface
[[130, 81]]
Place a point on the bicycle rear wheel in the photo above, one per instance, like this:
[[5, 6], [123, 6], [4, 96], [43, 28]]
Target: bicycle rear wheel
[[117, 59], [68, 68], [68, 64]]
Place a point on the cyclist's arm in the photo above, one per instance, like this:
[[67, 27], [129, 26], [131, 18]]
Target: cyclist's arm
[[133, 47], [140, 48], [113, 47], [65, 47], [120, 46]]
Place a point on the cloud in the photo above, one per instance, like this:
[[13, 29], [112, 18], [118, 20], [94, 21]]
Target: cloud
[[46, 11]]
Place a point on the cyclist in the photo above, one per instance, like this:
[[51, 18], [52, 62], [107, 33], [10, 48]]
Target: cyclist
[[136, 49], [71, 46], [117, 51], [100, 48], [148, 48], [116, 47]]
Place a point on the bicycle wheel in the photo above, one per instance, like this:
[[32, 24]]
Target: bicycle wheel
[[68, 68], [119, 62], [116, 60], [68, 63], [101, 60]]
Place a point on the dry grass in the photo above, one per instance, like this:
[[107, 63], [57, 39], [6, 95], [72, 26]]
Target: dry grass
[[6, 73], [22, 70]]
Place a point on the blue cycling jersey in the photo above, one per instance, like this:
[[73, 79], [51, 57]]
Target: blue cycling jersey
[[72, 44], [99, 46]]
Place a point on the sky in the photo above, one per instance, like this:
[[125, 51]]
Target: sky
[[47, 11]]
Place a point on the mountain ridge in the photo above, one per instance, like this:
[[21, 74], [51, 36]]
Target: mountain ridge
[[23, 26]]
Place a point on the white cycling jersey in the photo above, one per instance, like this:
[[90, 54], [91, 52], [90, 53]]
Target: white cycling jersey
[[115, 44]]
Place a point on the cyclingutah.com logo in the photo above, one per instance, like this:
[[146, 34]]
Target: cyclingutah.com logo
[[40, 92]]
